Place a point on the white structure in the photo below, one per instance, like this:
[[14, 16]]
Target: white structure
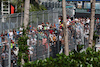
[[97, 47], [5, 8]]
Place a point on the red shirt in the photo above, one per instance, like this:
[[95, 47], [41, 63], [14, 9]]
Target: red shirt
[[51, 31]]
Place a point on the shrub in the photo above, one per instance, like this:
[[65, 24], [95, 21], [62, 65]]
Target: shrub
[[88, 58]]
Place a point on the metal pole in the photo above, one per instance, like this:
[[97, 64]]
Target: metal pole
[[58, 40], [84, 43], [37, 22], [9, 23], [2, 26], [57, 17], [9, 52], [48, 44], [48, 17], [37, 49], [43, 17], [54, 4], [31, 20], [53, 16], [17, 21], [75, 40]]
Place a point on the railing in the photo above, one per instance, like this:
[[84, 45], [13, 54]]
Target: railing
[[87, 11], [14, 21]]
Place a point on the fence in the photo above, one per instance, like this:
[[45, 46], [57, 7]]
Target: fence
[[14, 21], [5, 51], [41, 49], [42, 44]]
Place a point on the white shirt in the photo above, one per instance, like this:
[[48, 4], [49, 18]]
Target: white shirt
[[33, 41], [28, 41], [51, 37], [76, 19], [20, 32], [68, 22], [15, 52], [60, 37], [30, 50], [87, 32], [40, 26], [33, 31], [88, 21], [47, 28], [11, 35], [59, 20]]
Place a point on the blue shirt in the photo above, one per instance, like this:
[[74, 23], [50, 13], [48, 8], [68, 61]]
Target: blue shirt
[[0, 41]]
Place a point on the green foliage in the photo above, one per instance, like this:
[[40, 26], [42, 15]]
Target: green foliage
[[95, 36], [90, 58], [23, 48], [33, 7], [79, 47]]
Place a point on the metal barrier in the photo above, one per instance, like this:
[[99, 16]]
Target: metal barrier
[[4, 51], [14, 21], [42, 44]]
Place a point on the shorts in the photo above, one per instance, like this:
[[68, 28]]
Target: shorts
[[11, 61]]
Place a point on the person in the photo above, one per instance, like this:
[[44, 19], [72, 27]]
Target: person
[[5, 34], [88, 20], [44, 42], [51, 39], [0, 42], [40, 27], [0, 65], [13, 58], [54, 38], [33, 41], [3, 57], [60, 37], [30, 52], [40, 50], [16, 51], [20, 33], [2, 34], [43, 25]]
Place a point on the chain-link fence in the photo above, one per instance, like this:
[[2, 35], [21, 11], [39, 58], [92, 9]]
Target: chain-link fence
[[14, 21], [4, 51], [42, 44]]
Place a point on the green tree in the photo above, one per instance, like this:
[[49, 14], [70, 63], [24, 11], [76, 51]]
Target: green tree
[[34, 6], [23, 48]]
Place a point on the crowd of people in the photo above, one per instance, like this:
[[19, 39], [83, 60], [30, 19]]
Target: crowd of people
[[45, 36], [39, 39]]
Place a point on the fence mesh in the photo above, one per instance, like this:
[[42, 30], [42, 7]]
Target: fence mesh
[[43, 43], [14, 21]]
